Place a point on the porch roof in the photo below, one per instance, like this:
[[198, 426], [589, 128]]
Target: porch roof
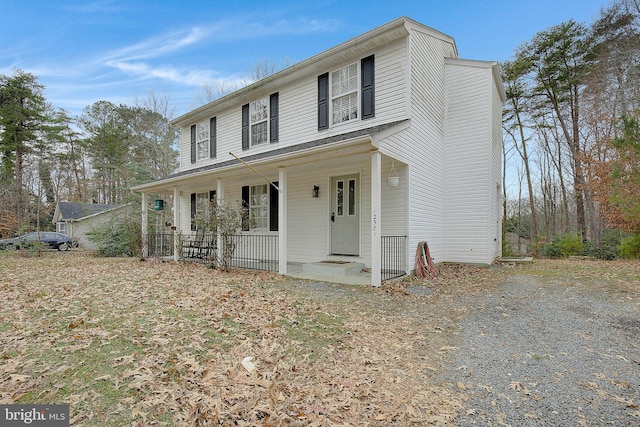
[[164, 184]]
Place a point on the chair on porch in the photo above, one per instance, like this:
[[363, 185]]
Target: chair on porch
[[201, 246]]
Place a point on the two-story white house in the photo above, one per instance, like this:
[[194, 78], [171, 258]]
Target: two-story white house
[[356, 154]]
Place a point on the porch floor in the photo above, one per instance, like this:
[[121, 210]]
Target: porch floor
[[295, 269]]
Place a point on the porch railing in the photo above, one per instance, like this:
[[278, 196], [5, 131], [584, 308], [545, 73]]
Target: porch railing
[[252, 251], [160, 245], [256, 252], [260, 251], [394, 256]]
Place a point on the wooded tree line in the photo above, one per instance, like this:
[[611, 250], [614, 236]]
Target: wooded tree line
[[47, 156], [571, 126]]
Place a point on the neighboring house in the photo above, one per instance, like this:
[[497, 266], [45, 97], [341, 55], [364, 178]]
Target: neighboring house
[[76, 219], [332, 133]]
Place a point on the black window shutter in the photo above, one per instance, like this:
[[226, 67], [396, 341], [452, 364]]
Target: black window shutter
[[212, 196], [193, 211], [368, 104], [193, 143], [273, 207], [323, 101], [273, 117], [245, 208], [212, 137], [245, 127]]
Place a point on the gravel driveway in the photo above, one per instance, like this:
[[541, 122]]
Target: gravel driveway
[[540, 351]]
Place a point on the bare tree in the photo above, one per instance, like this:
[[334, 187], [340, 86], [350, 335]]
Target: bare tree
[[211, 91], [515, 113]]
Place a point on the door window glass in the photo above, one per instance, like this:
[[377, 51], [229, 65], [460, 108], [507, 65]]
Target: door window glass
[[340, 197], [352, 197]]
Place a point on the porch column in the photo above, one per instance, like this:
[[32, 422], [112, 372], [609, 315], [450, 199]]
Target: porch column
[[144, 227], [376, 220], [220, 201], [176, 223], [282, 221]]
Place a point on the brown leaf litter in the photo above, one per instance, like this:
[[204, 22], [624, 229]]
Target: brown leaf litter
[[125, 342]]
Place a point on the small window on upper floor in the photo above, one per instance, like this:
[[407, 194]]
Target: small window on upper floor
[[203, 140], [260, 121], [258, 115]]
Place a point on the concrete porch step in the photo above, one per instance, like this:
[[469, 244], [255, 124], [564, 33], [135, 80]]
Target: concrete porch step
[[334, 268]]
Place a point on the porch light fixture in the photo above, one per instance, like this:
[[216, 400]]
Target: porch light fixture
[[393, 179], [316, 191]]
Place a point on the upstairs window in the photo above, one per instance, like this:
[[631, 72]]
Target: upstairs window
[[260, 121], [203, 140], [258, 114], [344, 94]]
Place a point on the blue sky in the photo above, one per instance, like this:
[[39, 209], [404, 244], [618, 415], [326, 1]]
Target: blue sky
[[120, 50]]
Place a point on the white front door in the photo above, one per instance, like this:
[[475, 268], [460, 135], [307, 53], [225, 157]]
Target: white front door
[[345, 215]]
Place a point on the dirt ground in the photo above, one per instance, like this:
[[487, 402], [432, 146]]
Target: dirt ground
[[125, 342]]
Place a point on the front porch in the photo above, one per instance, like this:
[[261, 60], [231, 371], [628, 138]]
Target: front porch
[[334, 201], [260, 252]]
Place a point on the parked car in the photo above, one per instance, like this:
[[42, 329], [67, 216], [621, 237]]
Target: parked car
[[57, 241]]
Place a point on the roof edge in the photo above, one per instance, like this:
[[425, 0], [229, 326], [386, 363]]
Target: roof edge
[[399, 24], [283, 151]]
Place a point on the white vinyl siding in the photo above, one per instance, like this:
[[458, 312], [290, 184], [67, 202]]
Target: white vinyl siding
[[394, 200], [447, 153], [309, 217], [422, 145], [391, 83], [496, 171], [298, 109], [470, 185]]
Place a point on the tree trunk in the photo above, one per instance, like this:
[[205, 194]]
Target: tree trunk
[[522, 150], [20, 203]]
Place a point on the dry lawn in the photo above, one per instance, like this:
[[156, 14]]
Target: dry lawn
[[130, 343]]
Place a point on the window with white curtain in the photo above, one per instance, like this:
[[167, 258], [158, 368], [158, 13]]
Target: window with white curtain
[[259, 206], [344, 94], [202, 140], [259, 114]]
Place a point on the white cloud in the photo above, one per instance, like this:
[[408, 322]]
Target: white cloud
[[171, 60], [143, 70], [129, 59], [158, 46]]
